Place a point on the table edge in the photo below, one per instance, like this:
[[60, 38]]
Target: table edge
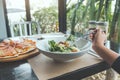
[[83, 72]]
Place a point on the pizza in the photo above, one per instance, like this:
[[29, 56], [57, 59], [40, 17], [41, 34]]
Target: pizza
[[11, 48]]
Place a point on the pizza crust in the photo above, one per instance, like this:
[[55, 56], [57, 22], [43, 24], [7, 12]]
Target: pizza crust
[[5, 57]]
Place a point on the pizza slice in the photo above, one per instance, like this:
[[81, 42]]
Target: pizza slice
[[3, 45], [8, 53], [25, 46], [25, 49]]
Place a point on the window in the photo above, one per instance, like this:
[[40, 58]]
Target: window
[[15, 10]]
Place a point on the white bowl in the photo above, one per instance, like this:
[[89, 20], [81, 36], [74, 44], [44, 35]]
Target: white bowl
[[82, 44]]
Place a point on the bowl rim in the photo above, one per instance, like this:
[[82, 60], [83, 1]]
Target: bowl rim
[[83, 50]]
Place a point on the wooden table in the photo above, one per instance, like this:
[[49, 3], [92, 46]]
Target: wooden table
[[23, 70], [45, 68]]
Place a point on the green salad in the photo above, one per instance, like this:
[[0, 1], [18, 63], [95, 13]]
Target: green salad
[[62, 46]]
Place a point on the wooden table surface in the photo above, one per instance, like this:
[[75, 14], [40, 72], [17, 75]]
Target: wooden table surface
[[45, 68]]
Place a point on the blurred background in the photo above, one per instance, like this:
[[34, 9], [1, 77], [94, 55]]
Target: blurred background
[[78, 13]]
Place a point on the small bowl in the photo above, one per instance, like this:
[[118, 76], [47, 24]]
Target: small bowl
[[82, 44]]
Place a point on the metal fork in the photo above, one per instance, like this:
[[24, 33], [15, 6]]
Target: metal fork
[[94, 54]]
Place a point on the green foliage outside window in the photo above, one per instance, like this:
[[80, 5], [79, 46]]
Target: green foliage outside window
[[98, 10], [47, 18], [79, 14]]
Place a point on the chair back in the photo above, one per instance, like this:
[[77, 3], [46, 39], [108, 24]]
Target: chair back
[[22, 28]]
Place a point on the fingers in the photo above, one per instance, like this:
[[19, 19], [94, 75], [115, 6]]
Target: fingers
[[93, 33], [91, 36]]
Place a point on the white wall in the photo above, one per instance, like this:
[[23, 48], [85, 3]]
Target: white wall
[[3, 33]]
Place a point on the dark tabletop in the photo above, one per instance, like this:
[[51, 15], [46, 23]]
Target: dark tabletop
[[21, 70]]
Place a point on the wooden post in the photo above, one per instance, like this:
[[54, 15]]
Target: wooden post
[[28, 14], [62, 15]]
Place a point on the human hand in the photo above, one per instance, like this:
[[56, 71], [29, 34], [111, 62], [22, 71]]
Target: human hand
[[98, 38]]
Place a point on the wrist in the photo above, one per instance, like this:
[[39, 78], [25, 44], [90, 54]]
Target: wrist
[[96, 47]]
